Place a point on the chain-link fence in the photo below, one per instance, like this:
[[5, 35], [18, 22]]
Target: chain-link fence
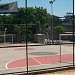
[[39, 37]]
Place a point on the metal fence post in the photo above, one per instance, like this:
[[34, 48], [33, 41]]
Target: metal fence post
[[26, 37], [73, 33]]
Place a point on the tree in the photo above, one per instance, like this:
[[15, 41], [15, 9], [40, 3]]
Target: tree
[[20, 31], [38, 21], [59, 29]]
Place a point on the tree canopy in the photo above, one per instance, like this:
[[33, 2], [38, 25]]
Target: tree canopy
[[38, 21]]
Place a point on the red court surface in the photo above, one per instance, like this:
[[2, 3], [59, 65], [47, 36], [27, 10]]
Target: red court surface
[[12, 44], [21, 63], [35, 61], [23, 49]]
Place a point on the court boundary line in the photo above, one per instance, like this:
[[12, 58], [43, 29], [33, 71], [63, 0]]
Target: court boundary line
[[39, 65], [11, 61], [13, 68], [22, 58], [33, 66], [25, 58], [34, 60], [24, 48]]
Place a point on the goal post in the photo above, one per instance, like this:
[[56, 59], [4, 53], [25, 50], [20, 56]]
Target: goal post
[[60, 42], [60, 36], [7, 38]]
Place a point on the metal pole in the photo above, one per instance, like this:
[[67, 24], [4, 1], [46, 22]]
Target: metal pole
[[26, 37], [12, 38], [73, 33], [51, 2], [4, 35], [60, 47], [52, 22]]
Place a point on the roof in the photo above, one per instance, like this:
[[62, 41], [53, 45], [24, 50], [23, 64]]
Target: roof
[[39, 34]]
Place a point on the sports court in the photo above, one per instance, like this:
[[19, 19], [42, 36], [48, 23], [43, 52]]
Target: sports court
[[36, 35], [39, 57]]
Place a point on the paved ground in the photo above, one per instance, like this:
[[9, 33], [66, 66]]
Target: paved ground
[[10, 54], [67, 72]]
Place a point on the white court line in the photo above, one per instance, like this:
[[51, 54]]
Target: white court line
[[25, 58], [13, 68], [35, 60], [22, 58], [12, 61]]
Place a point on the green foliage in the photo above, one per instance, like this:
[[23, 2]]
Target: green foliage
[[37, 16], [37, 21], [19, 29], [59, 29]]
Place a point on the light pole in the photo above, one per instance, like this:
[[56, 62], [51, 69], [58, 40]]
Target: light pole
[[51, 2]]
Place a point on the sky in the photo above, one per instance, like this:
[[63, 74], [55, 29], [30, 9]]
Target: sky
[[60, 7]]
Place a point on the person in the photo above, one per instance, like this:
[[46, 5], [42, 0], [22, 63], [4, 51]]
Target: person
[[45, 41]]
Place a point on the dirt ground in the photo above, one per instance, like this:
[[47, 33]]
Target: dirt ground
[[67, 72]]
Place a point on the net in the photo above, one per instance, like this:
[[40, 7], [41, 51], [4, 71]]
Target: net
[[67, 36], [6, 38]]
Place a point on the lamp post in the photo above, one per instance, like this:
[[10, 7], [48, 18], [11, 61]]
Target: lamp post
[[51, 2]]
